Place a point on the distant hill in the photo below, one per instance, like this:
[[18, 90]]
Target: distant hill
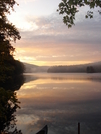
[[82, 68], [31, 68]]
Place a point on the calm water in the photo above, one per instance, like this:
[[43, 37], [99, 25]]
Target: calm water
[[60, 101]]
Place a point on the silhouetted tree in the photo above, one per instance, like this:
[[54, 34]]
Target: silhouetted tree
[[90, 69], [69, 8], [19, 67], [8, 33], [7, 29]]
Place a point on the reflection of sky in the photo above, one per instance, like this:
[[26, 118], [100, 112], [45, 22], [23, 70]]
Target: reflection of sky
[[60, 104]]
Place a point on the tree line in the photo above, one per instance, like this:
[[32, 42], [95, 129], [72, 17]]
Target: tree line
[[75, 69]]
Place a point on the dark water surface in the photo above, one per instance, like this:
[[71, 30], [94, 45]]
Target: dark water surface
[[60, 101]]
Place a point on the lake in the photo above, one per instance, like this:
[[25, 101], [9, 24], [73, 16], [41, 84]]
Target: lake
[[60, 100]]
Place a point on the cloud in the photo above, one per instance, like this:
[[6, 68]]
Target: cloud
[[48, 39], [52, 28]]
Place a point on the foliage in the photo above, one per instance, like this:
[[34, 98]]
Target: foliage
[[69, 8], [9, 69], [19, 67], [6, 28], [8, 33], [12, 74]]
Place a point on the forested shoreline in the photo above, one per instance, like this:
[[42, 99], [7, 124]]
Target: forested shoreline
[[75, 69]]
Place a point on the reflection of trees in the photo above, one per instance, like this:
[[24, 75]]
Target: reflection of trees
[[69, 8], [9, 104]]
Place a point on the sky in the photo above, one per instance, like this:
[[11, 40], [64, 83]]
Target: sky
[[46, 40]]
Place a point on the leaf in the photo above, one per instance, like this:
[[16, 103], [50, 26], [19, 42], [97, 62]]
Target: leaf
[[86, 16]]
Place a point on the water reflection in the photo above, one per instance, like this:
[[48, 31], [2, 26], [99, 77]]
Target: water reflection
[[60, 101], [64, 76], [9, 105]]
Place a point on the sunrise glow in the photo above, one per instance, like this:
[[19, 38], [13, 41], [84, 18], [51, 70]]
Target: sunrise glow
[[45, 40]]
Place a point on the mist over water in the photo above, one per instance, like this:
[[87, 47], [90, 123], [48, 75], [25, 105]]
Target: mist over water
[[60, 101]]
